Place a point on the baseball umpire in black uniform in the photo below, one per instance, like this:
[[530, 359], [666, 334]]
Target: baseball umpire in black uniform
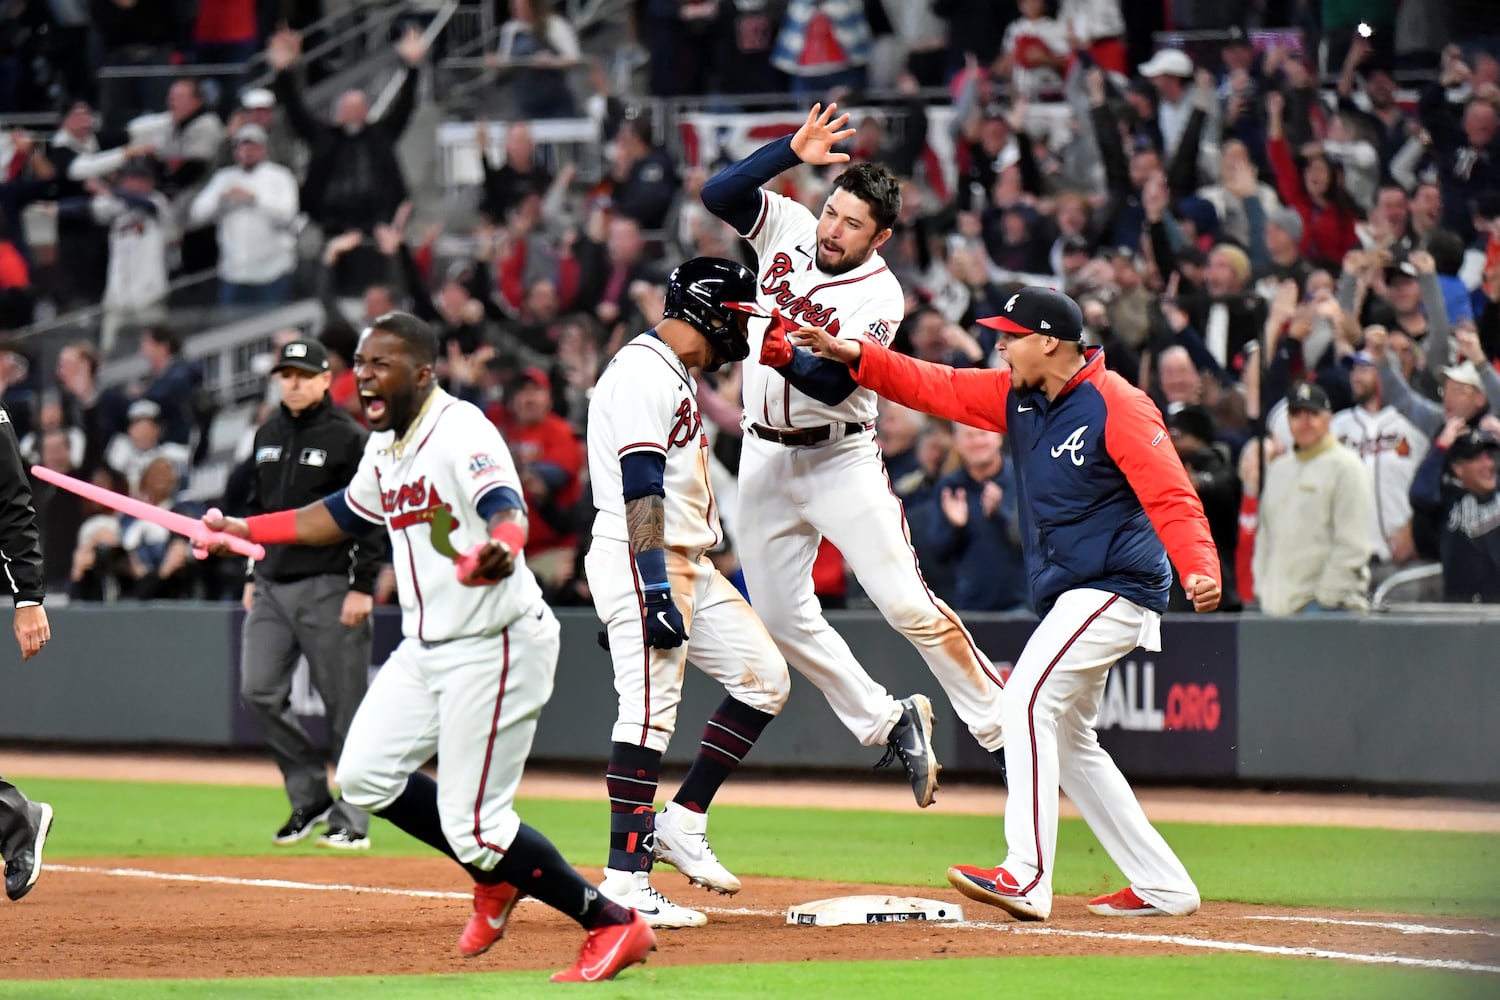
[[313, 601], [23, 823]]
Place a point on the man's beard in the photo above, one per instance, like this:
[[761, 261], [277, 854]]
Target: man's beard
[[844, 265], [1361, 398]]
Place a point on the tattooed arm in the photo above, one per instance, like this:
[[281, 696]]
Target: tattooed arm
[[645, 519], [641, 475]]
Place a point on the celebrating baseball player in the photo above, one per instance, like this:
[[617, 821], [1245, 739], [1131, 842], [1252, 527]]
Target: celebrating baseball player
[[24, 824], [659, 595], [1102, 490], [810, 466], [479, 651]]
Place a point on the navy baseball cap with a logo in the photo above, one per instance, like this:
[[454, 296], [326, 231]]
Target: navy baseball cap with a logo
[[1044, 311], [304, 355]]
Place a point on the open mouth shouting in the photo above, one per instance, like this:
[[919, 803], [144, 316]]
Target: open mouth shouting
[[374, 406]]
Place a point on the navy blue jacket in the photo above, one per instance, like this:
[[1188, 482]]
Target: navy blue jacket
[[1469, 543], [1100, 487]]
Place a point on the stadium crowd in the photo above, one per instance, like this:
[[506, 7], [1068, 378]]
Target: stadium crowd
[[1304, 275]]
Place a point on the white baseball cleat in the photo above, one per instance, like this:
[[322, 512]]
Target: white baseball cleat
[[682, 842], [633, 889]]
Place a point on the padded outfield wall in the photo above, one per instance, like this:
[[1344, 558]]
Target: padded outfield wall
[[1379, 701]]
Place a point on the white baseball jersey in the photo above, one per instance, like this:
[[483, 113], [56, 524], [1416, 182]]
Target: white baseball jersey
[[451, 457], [1392, 448], [865, 301], [645, 401]]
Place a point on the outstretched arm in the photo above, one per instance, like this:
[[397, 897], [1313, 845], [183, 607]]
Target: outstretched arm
[[313, 524], [973, 396]]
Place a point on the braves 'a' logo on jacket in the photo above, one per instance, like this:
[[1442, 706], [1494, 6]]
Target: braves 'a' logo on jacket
[[792, 305], [1072, 446], [687, 426]]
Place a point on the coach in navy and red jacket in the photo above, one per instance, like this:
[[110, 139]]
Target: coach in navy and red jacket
[[1100, 485]]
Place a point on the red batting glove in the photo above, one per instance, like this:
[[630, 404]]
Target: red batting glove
[[775, 351]]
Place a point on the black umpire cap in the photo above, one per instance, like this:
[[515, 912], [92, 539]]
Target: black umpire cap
[[1044, 311], [304, 355]]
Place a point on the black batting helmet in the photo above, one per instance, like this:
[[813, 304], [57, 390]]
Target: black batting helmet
[[714, 296]]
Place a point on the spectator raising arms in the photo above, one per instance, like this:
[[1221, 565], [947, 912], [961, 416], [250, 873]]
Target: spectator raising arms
[[353, 180]]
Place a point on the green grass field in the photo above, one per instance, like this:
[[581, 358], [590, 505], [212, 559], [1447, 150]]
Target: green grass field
[[1421, 874]]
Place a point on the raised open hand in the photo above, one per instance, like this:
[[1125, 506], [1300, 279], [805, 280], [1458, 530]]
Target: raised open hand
[[815, 140], [283, 48]]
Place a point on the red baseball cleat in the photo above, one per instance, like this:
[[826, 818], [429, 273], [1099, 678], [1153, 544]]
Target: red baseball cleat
[[997, 887], [609, 949], [492, 906], [1124, 903]]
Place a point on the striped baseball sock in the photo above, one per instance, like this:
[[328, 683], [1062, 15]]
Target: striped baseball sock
[[731, 731], [631, 779]]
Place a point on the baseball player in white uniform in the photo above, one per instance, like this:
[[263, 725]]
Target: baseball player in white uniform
[[660, 597], [480, 647], [1392, 449], [810, 466]]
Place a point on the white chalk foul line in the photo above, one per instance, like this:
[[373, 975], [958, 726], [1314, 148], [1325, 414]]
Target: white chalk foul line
[[1265, 949], [264, 883], [1186, 942], [1383, 925]]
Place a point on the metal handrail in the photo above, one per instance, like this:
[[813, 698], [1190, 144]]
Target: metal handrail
[[393, 86], [169, 69], [1379, 601], [221, 345], [380, 19], [88, 314]]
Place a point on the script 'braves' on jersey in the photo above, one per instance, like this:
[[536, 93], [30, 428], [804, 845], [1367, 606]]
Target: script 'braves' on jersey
[[475, 667], [661, 598], [811, 469], [1391, 447], [1101, 489]]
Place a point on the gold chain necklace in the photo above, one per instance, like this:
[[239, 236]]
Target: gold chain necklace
[[397, 447]]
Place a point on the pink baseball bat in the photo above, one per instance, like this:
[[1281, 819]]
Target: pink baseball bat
[[195, 530]]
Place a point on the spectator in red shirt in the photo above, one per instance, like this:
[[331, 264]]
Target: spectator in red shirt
[[1317, 193], [549, 459]]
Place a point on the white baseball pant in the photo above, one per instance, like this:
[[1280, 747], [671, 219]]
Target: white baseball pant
[[725, 640], [792, 497], [1051, 703], [475, 703]]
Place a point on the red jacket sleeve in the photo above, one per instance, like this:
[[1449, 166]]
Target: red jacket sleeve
[[13, 271], [973, 396], [1288, 180], [1139, 444]]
